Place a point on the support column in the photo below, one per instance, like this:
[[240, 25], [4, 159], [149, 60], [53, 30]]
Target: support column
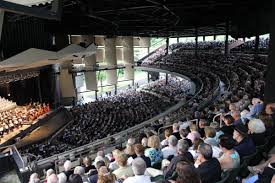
[[178, 39], [203, 37], [226, 38], [257, 40], [215, 36], [128, 57], [269, 96], [166, 78], [90, 77], [196, 39], [39, 88], [110, 59], [167, 45], [1, 22], [148, 50]]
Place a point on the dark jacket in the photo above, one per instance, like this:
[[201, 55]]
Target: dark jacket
[[147, 160], [245, 147], [228, 130], [210, 171], [169, 170], [258, 138]]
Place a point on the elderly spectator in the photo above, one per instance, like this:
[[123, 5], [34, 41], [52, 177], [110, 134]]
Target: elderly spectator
[[144, 142], [124, 170], [68, 168], [216, 126], [167, 133], [256, 130], [53, 179], [130, 151], [171, 149], [228, 128], [153, 152], [105, 176], [62, 178], [210, 134], [79, 170], [187, 173], [182, 155], [245, 145], [131, 141], [93, 178], [48, 173], [194, 134], [113, 165], [230, 158], [139, 150], [176, 130], [34, 178], [206, 162], [139, 168]]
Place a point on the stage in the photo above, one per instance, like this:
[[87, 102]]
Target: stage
[[45, 127]]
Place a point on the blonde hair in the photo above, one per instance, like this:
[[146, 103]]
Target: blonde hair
[[193, 127], [154, 142], [130, 149], [210, 132], [122, 159]]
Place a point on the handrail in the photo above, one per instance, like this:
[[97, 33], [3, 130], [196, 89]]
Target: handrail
[[132, 129]]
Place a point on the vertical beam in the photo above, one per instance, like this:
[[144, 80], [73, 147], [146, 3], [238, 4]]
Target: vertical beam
[[196, 39], [166, 78], [1, 22], [167, 45], [110, 59], [257, 40], [96, 94], [39, 88], [226, 38], [148, 50], [178, 39], [203, 38], [269, 96], [148, 77], [215, 36]]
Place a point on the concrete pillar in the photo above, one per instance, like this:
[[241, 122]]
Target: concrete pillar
[[128, 57], [110, 59], [215, 36], [269, 96], [178, 39], [1, 21], [90, 77], [257, 40], [226, 38], [203, 37], [167, 45]]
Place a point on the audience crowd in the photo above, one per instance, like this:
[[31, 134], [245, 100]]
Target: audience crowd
[[249, 46]]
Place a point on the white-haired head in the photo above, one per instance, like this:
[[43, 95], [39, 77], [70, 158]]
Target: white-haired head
[[256, 126], [175, 127], [138, 166], [131, 141], [34, 178], [79, 170], [52, 179], [68, 165], [144, 141], [100, 153], [172, 141], [62, 178], [49, 172]]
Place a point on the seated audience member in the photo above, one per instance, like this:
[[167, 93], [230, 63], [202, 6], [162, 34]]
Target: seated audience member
[[139, 168], [255, 109], [230, 158], [144, 142], [34, 178], [232, 108], [100, 156], [176, 130], [260, 168], [237, 118], [75, 178], [210, 135], [194, 134], [48, 173], [202, 125], [79, 170], [87, 162], [171, 149], [187, 173], [265, 176], [194, 149], [131, 141], [256, 130], [228, 128], [53, 179], [216, 126], [68, 168], [139, 150], [167, 133], [93, 178], [183, 135], [182, 155], [209, 168], [62, 178], [113, 165], [130, 151], [245, 145], [124, 170], [105, 176], [153, 152]]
